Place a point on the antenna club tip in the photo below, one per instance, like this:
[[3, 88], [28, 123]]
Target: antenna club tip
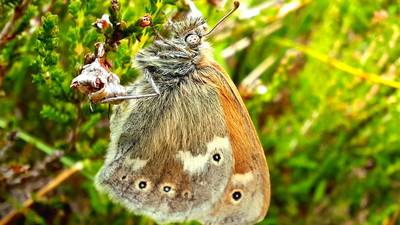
[[236, 6]]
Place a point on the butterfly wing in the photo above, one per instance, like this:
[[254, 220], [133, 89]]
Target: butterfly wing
[[247, 196], [169, 157]]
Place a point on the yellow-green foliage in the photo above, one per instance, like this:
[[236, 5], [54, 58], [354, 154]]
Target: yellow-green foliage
[[329, 118]]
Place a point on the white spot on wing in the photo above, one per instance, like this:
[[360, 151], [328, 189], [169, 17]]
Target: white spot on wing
[[218, 142], [196, 164], [242, 178], [135, 164], [193, 164]]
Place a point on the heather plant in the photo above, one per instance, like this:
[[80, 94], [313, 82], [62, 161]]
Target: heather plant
[[320, 80]]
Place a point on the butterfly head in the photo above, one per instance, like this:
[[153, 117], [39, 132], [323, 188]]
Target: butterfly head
[[180, 53], [189, 32]]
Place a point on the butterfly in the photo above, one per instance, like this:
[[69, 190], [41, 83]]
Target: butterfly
[[183, 146]]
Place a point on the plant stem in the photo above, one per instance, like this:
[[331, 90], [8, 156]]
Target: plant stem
[[44, 147], [54, 183], [18, 13], [374, 78]]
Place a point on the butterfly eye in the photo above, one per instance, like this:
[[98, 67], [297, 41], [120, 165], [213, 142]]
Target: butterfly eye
[[193, 40]]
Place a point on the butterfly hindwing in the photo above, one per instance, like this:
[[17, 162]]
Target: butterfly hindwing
[[170, 157]]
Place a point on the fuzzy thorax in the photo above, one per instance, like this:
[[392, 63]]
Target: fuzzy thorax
[[176, 57]]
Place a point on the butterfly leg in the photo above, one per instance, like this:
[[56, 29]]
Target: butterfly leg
[[128, 97], [153, 84]]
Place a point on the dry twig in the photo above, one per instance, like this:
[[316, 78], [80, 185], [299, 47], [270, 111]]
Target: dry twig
[[18, 13], [64, 175]]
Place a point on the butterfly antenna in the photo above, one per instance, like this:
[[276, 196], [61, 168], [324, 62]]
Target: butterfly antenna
[[236, 5]]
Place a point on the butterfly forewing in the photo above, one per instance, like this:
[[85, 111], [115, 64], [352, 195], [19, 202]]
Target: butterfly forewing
[[247, 196]]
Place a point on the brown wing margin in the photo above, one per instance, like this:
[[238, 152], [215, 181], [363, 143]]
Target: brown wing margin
[[247, 149], [246, 144]]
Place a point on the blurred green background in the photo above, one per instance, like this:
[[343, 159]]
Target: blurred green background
[[318, 78]]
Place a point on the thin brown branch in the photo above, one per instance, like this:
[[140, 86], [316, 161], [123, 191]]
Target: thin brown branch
[[18, 13], [64, 175], [249, 83]]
